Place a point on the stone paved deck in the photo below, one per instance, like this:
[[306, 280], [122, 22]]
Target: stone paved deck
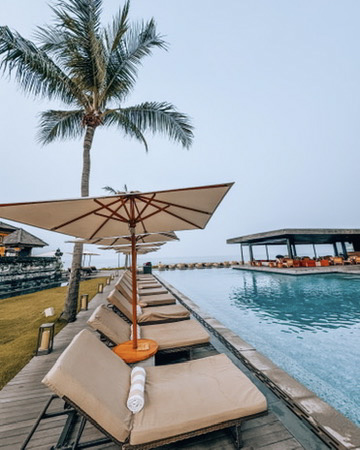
[[350, 269], [23, 397]]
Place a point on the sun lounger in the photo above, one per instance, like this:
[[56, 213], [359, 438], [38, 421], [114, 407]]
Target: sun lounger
[[141, 291], [181, 400], [149, 315], [143, 283], [152, 291], [145, 300], [145, 277], [171, 337]]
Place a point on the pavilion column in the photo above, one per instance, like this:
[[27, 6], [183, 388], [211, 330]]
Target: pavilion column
[[267, 252], [290, 253], [242, 254], [251, 253], [294, 250], [343, 246], [314, 250], [335, 249]]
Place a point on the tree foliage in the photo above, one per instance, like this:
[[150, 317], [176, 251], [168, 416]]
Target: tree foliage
[[92, 69]]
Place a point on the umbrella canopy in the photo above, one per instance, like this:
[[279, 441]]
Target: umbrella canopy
[[86, 252], [120, 240], [139, 213], [138, 246], [141, 251], [99, 217]]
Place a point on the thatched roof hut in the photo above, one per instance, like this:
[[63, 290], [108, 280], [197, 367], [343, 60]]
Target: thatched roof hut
[[23, 240]]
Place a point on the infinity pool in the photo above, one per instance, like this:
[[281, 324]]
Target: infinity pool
[[307, 325]]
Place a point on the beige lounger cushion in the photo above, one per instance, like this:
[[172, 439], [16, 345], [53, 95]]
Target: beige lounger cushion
[[167, 335], [185, 397], [149, 285], [143, 283], [150, 314], [147, 300], [152, 291], [142, 287], [150, 300], [110, 324], [160, 299], [96, 380], [148, 289], [163, 313], [146, 276], [176, 334], [121, 303], [120, 282], [125, 291]]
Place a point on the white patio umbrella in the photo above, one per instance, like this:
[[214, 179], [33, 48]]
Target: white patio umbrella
[[85, 254], [141, 239], [141, 251], [137, 245], [122, 240], [139, 213], [140, 248]]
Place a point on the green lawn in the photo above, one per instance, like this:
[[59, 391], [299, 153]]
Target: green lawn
[[20, 318]]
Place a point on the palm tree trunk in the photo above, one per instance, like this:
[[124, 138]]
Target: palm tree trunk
[[71, 301]]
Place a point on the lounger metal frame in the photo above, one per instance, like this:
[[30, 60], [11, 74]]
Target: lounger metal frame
[[73, 411]]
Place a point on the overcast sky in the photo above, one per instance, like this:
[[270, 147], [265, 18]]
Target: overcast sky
[[272, 87]]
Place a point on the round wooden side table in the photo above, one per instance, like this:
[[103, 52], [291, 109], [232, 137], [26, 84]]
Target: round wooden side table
[[146, 349]]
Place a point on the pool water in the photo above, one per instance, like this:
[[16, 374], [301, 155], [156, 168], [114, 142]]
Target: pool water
[[307, 325]]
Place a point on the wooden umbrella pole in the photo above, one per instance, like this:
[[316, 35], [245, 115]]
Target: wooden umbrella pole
[[133, 272]]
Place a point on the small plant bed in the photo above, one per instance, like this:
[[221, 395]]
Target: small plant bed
[[20, 318]]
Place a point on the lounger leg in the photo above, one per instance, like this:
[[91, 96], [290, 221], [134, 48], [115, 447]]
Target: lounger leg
[[79, 433], [36, 424], [67, 430], [237, 436], [46, 415]]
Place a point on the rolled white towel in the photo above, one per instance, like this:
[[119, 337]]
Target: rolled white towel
[[138, 310], [136, 399], [138, 332]]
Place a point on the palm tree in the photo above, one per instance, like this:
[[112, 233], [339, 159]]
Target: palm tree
[[91, 69]]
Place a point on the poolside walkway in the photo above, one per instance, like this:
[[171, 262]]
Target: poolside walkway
[[24, 396]]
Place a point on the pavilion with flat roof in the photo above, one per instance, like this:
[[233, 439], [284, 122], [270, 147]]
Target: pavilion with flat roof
[[299, 236]]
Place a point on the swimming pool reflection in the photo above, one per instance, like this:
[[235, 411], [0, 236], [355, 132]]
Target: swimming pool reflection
[[305, 303]]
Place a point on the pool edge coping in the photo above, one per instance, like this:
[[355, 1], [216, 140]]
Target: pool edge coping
[[330, 425]]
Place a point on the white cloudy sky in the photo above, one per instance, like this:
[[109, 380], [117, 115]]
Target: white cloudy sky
[[273, 89]]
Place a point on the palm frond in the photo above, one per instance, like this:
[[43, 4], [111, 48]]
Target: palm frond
[[76, 15], [160, 118], [136, 42], [119, 27], [35, 71], [60, 125], [120, 120], [111, 190], [80, 48]]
